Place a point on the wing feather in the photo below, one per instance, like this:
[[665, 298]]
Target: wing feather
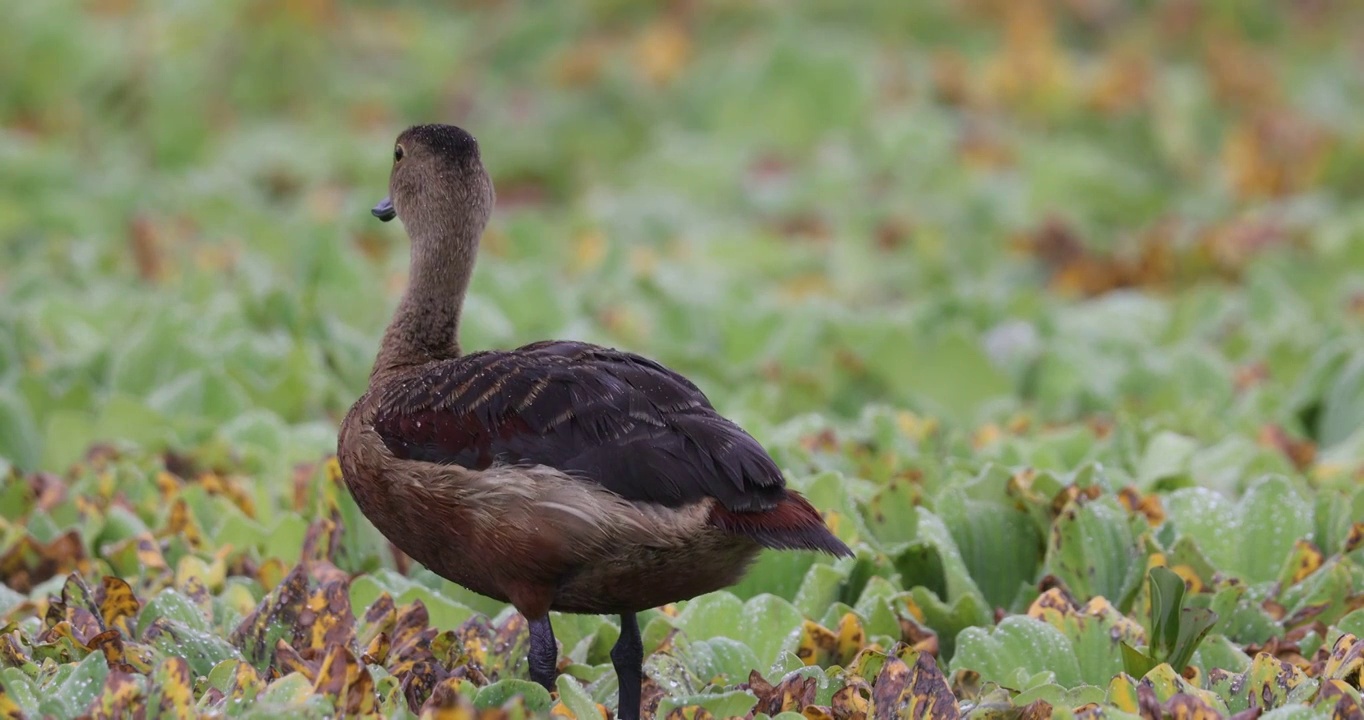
[[621, 420]]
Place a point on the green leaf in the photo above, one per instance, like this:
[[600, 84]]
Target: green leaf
[[1167, 600], [170, 604], [893, 512], [1135, 662], [736, 703], [1093, 549], [1000, 546], [572, 695], [1017, 644], [19, 439], [537, 698], [766, 624], [1167, 455], [1194, 625], [1250, 538]]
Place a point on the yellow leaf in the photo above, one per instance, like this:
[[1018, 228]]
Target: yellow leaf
[[589, 248], [119, 605], [851, 638], [182, 523], [581, 64], [346, 681], [171, 693], [662, 50], [817, 644]]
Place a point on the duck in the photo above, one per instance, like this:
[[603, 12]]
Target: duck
[[556, 476]]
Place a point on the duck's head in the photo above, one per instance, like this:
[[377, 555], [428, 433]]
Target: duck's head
[[438, 181]]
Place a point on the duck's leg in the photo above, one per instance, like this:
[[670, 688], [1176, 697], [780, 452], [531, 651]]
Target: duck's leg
[[544, 652], [628, 657]]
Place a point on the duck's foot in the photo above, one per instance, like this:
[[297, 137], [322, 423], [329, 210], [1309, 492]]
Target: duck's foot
[[544, 653], [628, 658]]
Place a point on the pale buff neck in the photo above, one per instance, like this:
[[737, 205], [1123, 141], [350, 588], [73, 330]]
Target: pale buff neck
[[425, 326]]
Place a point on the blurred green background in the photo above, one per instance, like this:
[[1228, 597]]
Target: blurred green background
[[1027, 295], [974, 209]]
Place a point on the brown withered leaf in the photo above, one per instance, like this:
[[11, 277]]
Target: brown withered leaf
[[12, 654], [29, 562], [1355, 538], [1148, 505], [1089, 711], [1075, 269], [172, 693], [510, 642], [373, 632], [345, 680], [980, 148], [1242, 76], [917, 636], [77, 606], [446, 703], [951, 78], [1036, 710], [326, 618], [47, 488], [818, 712], [376, 650], [59, 645], [966, 684], [149, 554], [1338, 695], [1189, 707], [419, 681], [322, 539], [412, 635], [110, 642], [410, 658], [852, 701], [791, 694], [144, 239], [290, 660], [1124, 82], [274, 619], [1301, 452], [1274, 154], [930, 693], [1346, 660], [888, 693], [302, 482]]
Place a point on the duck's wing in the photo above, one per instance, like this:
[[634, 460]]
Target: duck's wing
[[642, 431]]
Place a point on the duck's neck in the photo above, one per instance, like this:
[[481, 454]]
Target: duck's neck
[[426, 324]]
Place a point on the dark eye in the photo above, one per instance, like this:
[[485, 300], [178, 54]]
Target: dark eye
[[397, 153]]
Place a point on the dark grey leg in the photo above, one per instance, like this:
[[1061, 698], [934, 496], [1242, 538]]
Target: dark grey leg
[[628, 657], [544, 653]]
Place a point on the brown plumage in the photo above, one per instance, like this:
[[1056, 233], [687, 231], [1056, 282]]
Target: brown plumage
[[555, 476]]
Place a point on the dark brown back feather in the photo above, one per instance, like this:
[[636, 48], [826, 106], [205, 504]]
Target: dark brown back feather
[[626, 422]]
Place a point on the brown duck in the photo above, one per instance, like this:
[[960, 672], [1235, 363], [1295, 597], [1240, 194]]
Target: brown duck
[[556, 476]]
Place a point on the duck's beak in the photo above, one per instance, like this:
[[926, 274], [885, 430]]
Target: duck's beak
[[384, 210]]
